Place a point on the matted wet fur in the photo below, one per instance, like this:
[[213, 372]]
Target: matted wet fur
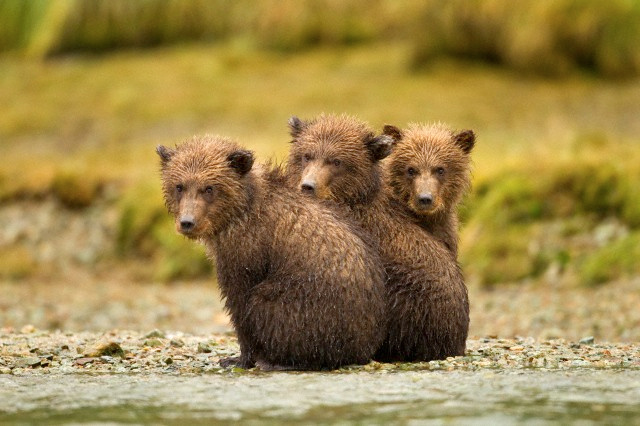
[[428, 172], [303, 290], [337, 158]]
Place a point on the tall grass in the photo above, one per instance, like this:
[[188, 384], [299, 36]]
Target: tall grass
[[546, 37], [42, 27]]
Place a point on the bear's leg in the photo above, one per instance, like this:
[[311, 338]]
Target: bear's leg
[[245, 360]]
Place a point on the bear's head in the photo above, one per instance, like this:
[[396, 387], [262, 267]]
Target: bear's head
[[336, 158], [204, 182], [429, 167]]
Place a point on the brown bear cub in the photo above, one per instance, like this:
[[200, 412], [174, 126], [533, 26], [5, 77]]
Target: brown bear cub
[[303, 290], [428, 172], [338, 158]]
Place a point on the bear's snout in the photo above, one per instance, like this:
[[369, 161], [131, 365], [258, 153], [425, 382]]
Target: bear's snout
[[308, 186], [425, 200], [187, 223]]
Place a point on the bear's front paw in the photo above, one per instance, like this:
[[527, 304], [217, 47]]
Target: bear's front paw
[[236, 361]]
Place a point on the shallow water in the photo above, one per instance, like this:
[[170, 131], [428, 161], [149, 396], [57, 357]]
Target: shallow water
[[480, 397]]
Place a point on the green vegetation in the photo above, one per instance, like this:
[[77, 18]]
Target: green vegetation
[[545, 37], [612, 261], [43, 28], [570, 215], [551, 37], [74, 188]]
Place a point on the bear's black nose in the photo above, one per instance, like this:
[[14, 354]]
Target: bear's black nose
[[425, 200], [187, 223], [309, 187]]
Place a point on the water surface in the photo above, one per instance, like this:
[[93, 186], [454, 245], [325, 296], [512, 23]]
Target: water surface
[[460, 397]]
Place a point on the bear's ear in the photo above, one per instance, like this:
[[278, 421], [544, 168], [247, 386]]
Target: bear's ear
[[165, 153], [466, 140], [296, 126], [241, 161], [392, 131], [379, 147]]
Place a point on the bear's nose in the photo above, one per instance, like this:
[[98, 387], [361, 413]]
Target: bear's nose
[[425, 200], [187, 223], [308, 186]]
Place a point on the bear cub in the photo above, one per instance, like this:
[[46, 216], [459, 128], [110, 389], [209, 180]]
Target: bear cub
[[303, 289], [428, 172]]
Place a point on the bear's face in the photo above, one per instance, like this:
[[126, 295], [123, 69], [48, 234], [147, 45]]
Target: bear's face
[[203, 184], [335, 157], [429, 167]]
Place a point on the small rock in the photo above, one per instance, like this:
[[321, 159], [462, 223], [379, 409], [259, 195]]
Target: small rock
[[204, 348], [27, 362], [85, 360], [580, 363], [5, 370], [109, 348], [516, 348], [108, 359], [28, 329], [587, 340], [153, 343], [176, 343], [155, 333]]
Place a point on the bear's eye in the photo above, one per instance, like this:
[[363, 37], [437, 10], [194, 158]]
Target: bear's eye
[[209, 190], [336, 162], [411, 171], [440, 171], [307, 157], [179, 188]]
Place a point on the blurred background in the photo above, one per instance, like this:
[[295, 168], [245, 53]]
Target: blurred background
[[550, 243]]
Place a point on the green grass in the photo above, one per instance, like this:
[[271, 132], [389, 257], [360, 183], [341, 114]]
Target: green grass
[[554, 158], [572, 214], [616, 260]]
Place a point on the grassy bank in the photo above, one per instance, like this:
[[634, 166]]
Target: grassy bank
[[551, 38], [554, 191]]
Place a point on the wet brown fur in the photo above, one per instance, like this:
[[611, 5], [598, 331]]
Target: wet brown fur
[[434, 161], [303, 290], [427, 300]]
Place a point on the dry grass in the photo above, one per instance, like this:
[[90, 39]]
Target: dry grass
[[541, 37]]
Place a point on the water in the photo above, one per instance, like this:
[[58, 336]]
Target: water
[[412, 397]]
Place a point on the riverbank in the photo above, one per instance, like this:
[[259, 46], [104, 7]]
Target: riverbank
[[33, 352]]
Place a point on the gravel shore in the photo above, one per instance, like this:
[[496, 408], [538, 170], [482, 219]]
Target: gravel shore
[[512, 327], [30, 351]]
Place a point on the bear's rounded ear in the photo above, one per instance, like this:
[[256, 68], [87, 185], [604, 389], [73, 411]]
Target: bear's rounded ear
[[392, 131], [466, 140], [241, 161], [379, 147], [296, 126], [165, 153]]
